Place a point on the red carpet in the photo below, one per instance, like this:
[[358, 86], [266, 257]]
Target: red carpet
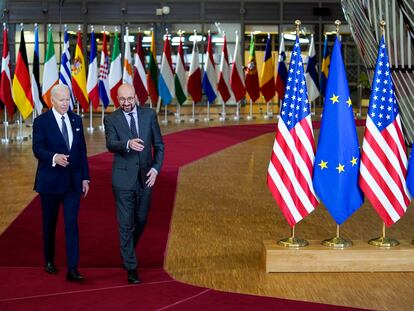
[[24, 285]]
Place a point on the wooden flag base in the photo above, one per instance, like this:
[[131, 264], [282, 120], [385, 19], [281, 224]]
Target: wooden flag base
[[361, 257]]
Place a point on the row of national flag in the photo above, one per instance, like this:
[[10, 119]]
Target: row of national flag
[[339, 173], [103, 79]]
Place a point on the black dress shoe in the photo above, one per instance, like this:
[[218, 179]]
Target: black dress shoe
[[50, 268], [73, 275], [133, 277]]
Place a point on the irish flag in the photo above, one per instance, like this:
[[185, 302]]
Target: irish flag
[[50, 70]]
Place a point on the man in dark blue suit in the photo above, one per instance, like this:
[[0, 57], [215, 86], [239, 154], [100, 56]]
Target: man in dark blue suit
[[134, 136], [62, 176]]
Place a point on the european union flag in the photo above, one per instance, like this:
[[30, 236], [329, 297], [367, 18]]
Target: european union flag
[[337, 157], [410, 173]]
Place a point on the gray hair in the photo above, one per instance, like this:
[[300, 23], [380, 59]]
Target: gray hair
[[57, 88]]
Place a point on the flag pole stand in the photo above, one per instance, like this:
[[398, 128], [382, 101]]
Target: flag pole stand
[[237, 116], [20, 137], [207, 118], [223, 112], [165, 121], [293, 241], [178, 114], [90, 128], [337, 242], [193, 119], [102, 127], [6, 139], [250, 116], [383, 241], [266, 115]]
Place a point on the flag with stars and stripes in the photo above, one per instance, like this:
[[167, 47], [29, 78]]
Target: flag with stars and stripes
[[335, 176], [289, 176], [383, 167]]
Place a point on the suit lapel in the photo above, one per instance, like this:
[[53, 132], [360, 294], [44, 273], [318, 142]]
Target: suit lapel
[[140, 120], [55, 127], [74, 126], [123, 123]]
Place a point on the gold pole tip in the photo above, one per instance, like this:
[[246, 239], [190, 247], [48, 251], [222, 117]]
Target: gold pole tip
[[383, 23], [298, 22], [337, 22]]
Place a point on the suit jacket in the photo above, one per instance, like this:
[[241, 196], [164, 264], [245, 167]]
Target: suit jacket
[[47, 141], [128, 165]]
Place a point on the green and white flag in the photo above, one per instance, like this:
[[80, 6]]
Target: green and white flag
[[50, 70], [180, 78]]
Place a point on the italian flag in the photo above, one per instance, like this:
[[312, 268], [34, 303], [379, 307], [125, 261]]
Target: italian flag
[[115, 71], [50, 70]]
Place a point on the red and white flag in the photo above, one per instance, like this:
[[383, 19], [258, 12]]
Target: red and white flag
[[140, 75], [5, 83], [237, 74], [223, 85], [194, 76], [383, 167]]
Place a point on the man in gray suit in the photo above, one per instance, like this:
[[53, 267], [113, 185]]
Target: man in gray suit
[[133, 135]]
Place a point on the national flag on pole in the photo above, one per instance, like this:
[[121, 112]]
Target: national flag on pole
[[326, 60], [152, 75], [267, 79], [210, 76], [50, 70], [5, 83], [337, 157], [115, 71], [223, 85], [79, 75], [140, 75], [252, 76], [194, 76], [22, 89], [65, 75], [410, 174], [127, 75], [104, 92], [38, 105], [180, 78], [237, 74], [383, 167], [166, 78], [282, 73], [289, 176], [311, 74], [92, 83]]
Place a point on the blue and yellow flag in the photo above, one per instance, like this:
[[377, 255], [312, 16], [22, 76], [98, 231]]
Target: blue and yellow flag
[[326, 59], [337, 157], [410, 173]]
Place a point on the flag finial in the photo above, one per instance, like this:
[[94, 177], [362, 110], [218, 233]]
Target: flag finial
[[297, 23], [139, 29], [21, 27], [79, 27], [337, 24], [4, 25], [382, 25], [92, 28]]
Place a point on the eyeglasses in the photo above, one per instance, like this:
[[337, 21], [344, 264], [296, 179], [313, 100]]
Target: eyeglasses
[[128, 99]]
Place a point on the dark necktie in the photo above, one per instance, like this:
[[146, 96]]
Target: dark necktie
[[65, 132], [133, 126]]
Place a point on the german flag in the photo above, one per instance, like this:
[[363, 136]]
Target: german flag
[[22, 89]]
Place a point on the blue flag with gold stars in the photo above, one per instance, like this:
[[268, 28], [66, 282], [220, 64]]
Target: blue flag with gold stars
[[410, 173], [336, 168]]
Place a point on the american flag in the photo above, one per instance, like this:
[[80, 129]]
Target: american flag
[[289, 176], [383, 166]]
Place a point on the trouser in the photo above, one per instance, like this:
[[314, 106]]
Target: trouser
[[132, 208], [50, 211]]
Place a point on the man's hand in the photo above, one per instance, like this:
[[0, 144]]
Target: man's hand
[[85, 187], [152, 176], [136, 144], [62, 159]]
